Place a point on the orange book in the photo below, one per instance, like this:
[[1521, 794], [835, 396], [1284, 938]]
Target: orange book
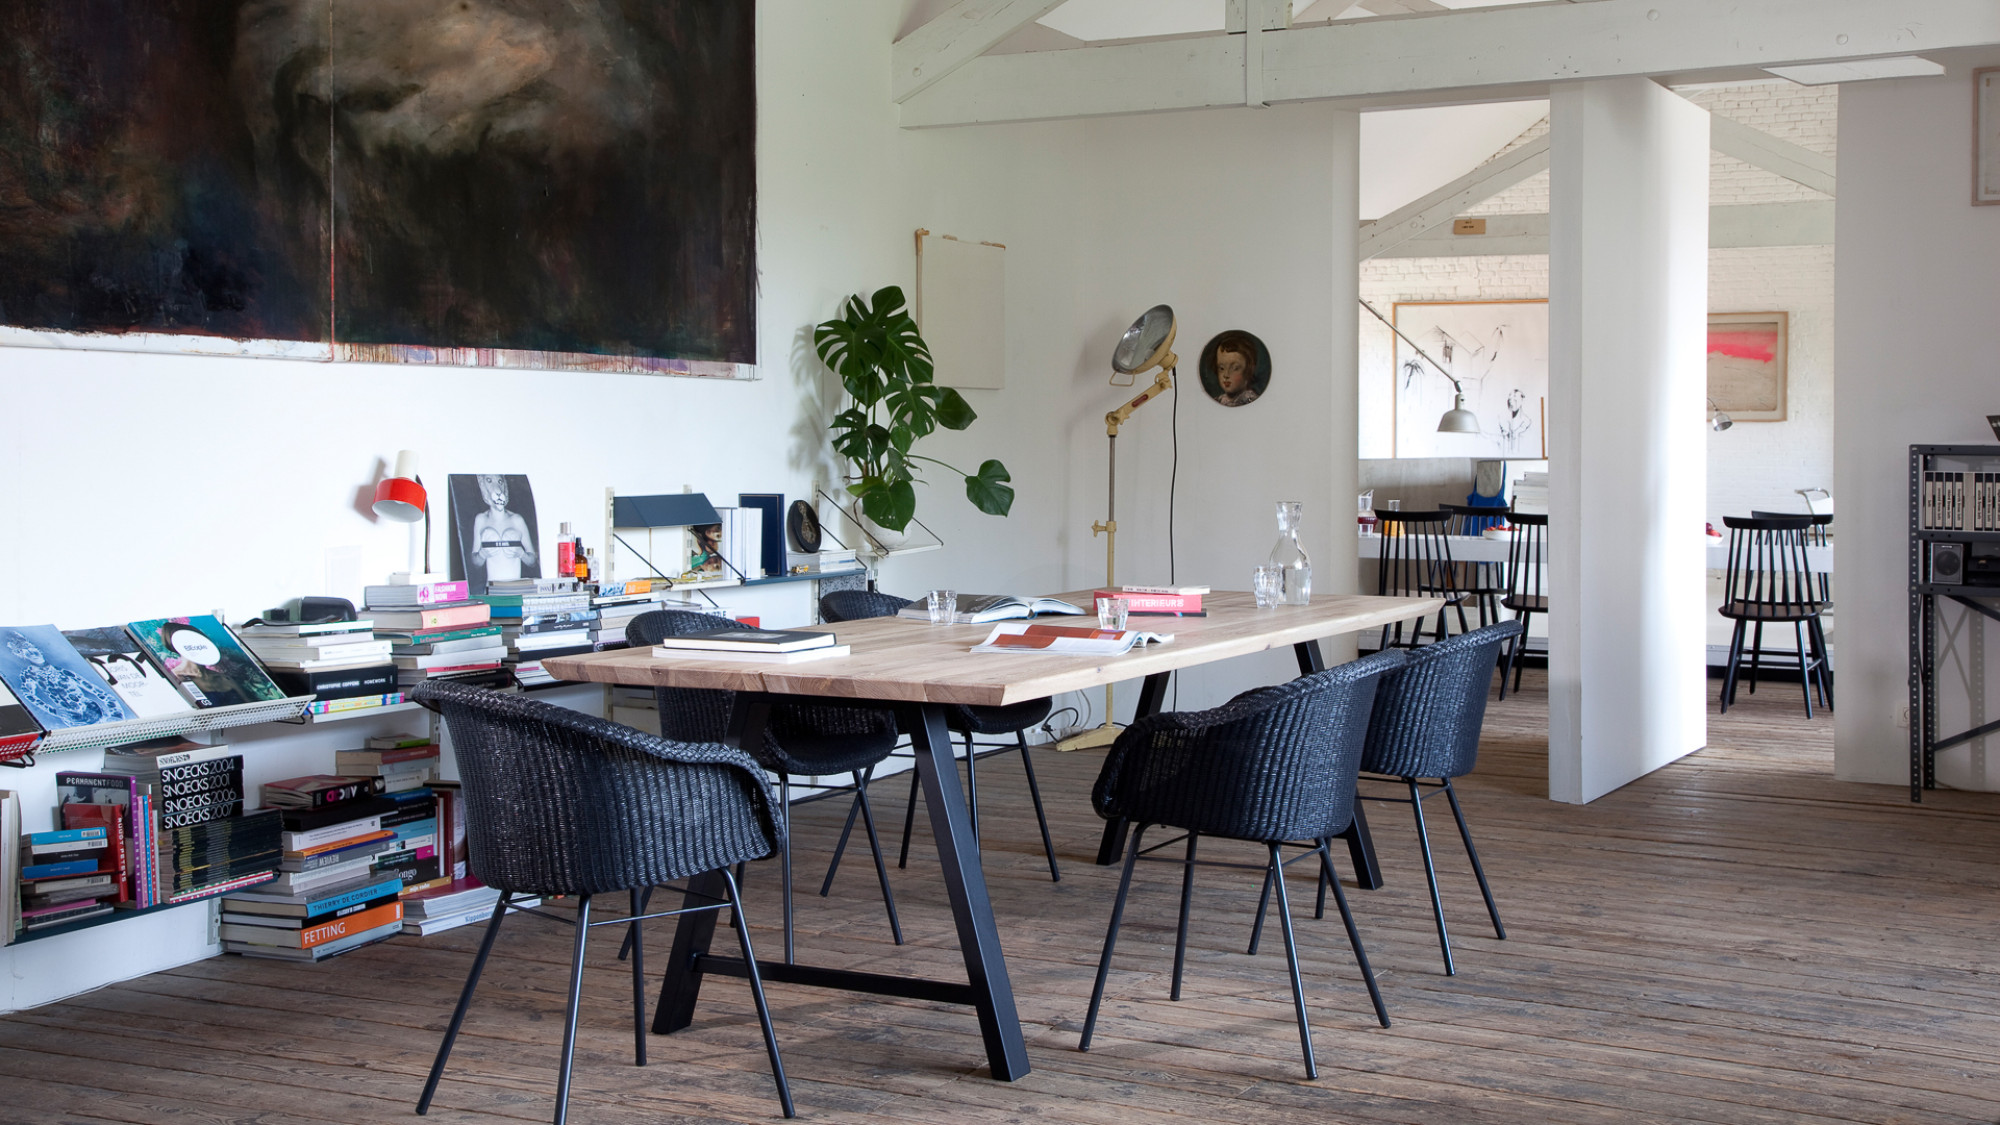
[[346, 927]]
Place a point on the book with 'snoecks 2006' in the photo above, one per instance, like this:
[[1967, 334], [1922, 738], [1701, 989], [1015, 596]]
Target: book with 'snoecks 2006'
[[749, 640], [979, 609]]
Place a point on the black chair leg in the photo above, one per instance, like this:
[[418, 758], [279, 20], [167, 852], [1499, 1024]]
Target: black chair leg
[[575, 1001], [1277, 874], [1035, 795], [875, 848], [1430, 874], [840, 847], [1472, 853], [1257, 927], [1180, 935], [625, 947], [785, 861], [1319, 895], [1729, 675], [1805, 664], [464, 1002], [1110, 938], [1354, 937], [638, 982], [1756, 654], [909, 820], [1825, 660], [757, 993]]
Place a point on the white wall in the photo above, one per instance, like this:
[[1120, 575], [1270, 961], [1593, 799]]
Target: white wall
[[1919, 267], [1627, 299], [143, 485]]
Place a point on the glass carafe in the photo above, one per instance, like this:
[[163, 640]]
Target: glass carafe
[[1291, 557]]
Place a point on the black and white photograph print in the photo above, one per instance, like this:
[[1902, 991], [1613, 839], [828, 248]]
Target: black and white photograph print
[[55, 684], [493, 530], [1235, 368]]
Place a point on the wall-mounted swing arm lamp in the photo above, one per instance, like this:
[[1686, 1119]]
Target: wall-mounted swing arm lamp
[[1457, 420], [1717, 420]]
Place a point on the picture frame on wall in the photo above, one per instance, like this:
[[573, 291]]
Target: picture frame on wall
[[1986, 136], [1747, 364], [1498, 351]]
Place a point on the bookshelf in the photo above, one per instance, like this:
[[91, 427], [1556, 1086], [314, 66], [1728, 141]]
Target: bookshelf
[[1954, 501], [100, 736]]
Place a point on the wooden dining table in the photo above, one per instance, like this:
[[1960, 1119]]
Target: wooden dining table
[[920, 669]]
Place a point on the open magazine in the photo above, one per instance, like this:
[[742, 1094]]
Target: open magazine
[[978, 609], [1068, 640]]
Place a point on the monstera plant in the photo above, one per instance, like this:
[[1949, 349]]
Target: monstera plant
[[885, 366]]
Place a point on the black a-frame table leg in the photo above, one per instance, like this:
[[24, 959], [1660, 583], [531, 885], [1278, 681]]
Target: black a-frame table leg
[[989, 990]]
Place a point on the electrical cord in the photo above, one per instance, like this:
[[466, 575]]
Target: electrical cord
[[1173, 486]]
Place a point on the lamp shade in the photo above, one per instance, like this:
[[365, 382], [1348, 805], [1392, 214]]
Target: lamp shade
[[1458, 420], [401, 497]]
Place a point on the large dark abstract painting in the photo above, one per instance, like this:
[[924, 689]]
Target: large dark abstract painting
[[451, 180]]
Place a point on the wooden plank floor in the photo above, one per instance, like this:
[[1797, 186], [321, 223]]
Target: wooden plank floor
[[1737, 938]]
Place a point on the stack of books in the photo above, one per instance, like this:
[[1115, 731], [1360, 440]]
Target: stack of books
[[435, 630], [540, 618], [332, 844], [398, 761], [312, 925], [412, 854], [614, 612], [206, 843], [461, 902], [124, 806], [1158, 601], [67, 875], [772, 646], [334, 660]]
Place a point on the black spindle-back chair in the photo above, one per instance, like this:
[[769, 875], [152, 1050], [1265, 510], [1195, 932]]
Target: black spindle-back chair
[[1771, 581], [1527, 591], [1416, 563]]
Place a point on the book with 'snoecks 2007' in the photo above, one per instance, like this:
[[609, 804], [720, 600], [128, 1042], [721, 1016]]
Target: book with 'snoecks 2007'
[[979, 609]]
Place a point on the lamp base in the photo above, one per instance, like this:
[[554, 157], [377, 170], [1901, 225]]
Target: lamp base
[[1090, 739]]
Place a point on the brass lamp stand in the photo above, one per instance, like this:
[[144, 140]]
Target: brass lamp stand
[[1147, 345]]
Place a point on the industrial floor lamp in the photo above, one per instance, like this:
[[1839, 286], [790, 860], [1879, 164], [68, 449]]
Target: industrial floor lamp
[[1147, 345]]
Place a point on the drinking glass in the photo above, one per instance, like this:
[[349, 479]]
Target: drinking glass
[[1269, 585], [1111, 613], [943, 606]]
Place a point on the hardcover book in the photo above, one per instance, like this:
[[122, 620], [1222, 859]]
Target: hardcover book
[[979, 609], [206, 660], [116, 657], [57, 686], [317, 790], [750, 640]]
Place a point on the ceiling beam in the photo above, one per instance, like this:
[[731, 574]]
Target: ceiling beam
[[1753, 146], [959, 34], [1440, 207], [1808, 223], [1511, 49]]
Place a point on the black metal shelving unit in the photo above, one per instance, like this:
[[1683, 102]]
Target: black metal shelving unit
[[1926, 598]]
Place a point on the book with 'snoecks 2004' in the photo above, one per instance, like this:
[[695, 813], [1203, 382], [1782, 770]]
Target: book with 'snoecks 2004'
[[749, 640], [979, 609]]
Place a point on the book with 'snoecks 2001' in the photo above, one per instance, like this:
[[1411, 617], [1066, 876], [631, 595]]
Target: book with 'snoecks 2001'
[[979, 609], [749, 640]]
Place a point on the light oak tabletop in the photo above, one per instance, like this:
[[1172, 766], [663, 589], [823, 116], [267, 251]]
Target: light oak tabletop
[[898, 659]]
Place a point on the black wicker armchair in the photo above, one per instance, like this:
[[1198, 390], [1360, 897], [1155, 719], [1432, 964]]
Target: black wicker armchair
[[1015, 719], [559, 803], [1272, 766], [803, 740], [1426, 725]]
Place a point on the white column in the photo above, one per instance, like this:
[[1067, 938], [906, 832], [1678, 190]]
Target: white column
[[1628, 298]]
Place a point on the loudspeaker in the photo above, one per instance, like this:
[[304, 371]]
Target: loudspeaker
[[1948, 563]]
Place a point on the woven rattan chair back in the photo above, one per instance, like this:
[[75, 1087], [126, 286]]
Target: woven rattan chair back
[[1428, 713], [858, 605], [561, 803], [1277, 763]]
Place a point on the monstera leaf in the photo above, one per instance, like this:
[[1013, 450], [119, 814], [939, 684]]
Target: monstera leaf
[[886, 369]]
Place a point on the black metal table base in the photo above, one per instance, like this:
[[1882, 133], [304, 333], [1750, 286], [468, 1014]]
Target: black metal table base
[[987, 987], [1360, 846]]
